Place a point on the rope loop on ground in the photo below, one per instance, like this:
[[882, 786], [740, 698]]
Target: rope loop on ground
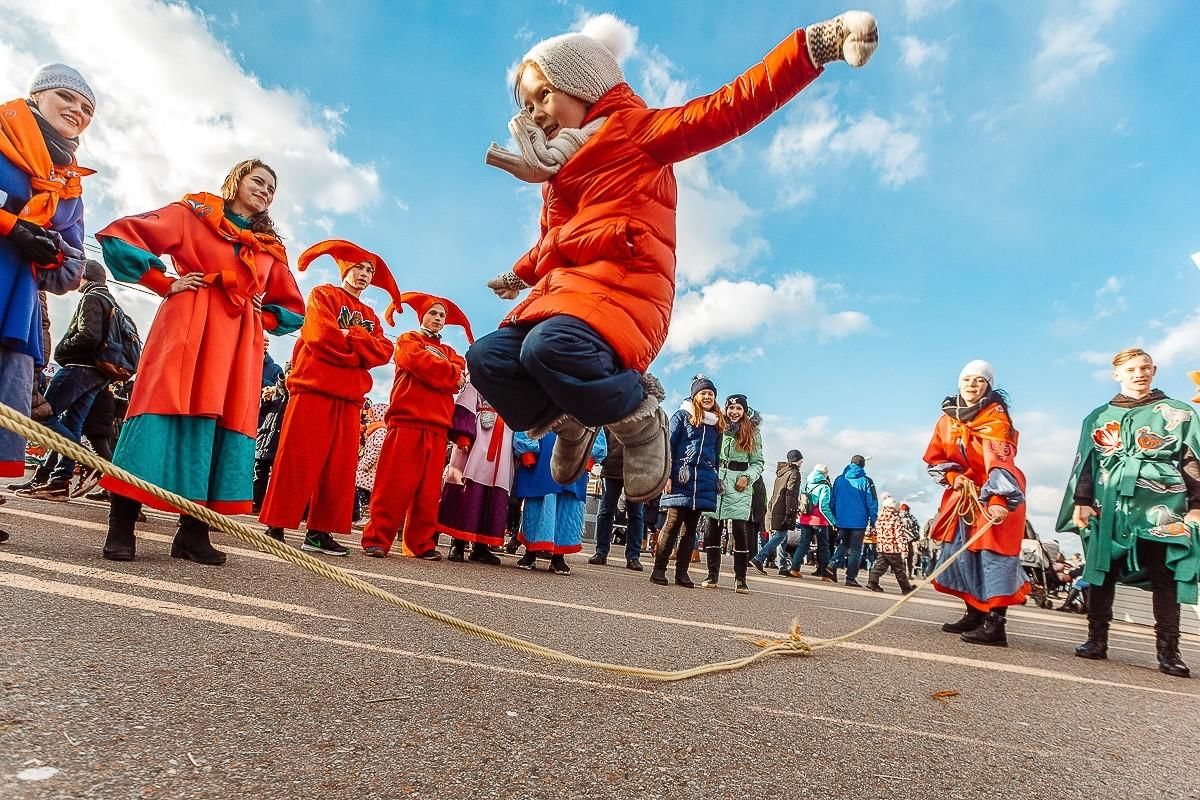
[[794, 645]]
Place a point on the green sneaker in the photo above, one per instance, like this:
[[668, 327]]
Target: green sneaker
[[322, 542]]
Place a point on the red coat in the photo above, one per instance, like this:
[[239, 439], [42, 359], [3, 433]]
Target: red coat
[[607, 250], [333, 360], [428, 376]]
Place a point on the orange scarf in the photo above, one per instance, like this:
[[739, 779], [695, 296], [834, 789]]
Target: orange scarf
[[22, 143], [210, 209]]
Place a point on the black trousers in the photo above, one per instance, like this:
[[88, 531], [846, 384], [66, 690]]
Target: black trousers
[[740, 530], [1152, 556], [893, 560]]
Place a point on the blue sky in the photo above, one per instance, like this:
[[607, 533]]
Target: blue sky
[[1005, 181]]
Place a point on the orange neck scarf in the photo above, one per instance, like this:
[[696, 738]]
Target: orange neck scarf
[[22, 143], [210, 209]]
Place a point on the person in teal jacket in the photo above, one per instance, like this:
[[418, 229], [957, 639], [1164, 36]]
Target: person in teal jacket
[[741, 464]]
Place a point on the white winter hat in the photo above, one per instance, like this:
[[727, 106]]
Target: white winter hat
[[980, 368], [60, 76], [888, 501], [821, 468], [577, 64]]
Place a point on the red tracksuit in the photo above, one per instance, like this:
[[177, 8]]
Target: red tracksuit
[[408, 479], [318, 446]]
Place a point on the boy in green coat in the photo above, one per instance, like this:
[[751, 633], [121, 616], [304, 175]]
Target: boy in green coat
[[1134, 495]]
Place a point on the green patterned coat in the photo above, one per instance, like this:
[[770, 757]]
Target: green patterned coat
[[1134, 457]]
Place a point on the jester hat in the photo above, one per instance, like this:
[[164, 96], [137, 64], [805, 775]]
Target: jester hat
[[347, 254], [421, 303]]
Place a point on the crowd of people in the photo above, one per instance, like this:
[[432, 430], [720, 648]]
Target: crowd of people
[[530, 409]]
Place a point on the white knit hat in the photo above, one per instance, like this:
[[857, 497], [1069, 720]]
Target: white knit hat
[[60, 76], [980, 368], [577, 64]]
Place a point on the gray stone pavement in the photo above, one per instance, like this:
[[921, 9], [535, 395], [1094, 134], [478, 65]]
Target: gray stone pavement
[[165, 679]]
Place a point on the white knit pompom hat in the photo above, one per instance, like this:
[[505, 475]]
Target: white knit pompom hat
[[578, 65], [60, 76], [981, 369]]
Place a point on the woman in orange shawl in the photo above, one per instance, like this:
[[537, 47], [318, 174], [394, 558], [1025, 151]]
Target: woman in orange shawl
[[194, 410], [41, 228], [974, 445]]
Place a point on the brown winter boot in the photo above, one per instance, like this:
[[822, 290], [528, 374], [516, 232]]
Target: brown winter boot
[[647, 450], [572, 447]]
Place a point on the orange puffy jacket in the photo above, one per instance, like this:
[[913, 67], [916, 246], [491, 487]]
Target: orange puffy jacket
[[607, 251]]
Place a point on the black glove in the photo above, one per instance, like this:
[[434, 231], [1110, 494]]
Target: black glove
[[34, 242]]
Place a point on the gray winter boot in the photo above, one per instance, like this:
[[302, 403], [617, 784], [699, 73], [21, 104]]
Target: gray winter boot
[[572, 447], [647, 450]]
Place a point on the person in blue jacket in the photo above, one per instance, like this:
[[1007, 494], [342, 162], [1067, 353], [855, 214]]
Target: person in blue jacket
[[855, 506], [695, 439], [553, 516]]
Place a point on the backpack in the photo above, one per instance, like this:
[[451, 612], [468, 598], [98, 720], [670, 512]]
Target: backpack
[[805, 504], [121, 349]]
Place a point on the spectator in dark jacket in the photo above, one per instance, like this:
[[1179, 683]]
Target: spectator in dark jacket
[[274, 404], [75, 386], [856, 506], [612, 473], [785, 501]]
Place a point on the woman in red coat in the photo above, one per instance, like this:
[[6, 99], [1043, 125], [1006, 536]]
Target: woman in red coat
[[194, 410], [573, 355]]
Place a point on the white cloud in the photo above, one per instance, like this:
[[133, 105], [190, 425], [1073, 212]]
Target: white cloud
[[820, 135], [916, 10], [709, 226], [796, 302], [173, 118], [915, 53], [1109, 299], [1179, 344], [1071, 49]]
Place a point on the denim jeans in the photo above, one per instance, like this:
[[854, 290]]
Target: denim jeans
[[849, 551], [71, 393], [807, 532], [767, 552], [635, 527]]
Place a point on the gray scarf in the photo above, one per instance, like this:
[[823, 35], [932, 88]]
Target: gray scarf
[[539, 159]]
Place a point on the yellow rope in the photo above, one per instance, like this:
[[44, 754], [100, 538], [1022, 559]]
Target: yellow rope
[[794, 644]]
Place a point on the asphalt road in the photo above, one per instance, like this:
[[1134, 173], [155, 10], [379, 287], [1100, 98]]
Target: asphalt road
[[165, 679]]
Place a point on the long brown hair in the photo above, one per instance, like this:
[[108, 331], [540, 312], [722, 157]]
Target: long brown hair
[[698, 414], [260, 222], [745, 433]]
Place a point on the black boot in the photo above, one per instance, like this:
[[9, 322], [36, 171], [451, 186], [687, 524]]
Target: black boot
[[1069, 603], [458, 550], [482, 554], [191, 543], [1169, 660], [3, 536], [122, 517], [740, 560], [969, 622], [1166, 629], [662, 558], [713, 556], [686, 545], [991, 632], [1096, 646], [275, 533]]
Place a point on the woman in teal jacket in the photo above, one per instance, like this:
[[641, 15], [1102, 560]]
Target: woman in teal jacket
[[741, 463]]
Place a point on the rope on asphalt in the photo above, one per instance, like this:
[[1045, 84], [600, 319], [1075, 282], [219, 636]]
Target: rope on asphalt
[[794, 645]]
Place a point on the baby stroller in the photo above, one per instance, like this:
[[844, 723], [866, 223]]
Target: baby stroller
[[1037, 563]]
